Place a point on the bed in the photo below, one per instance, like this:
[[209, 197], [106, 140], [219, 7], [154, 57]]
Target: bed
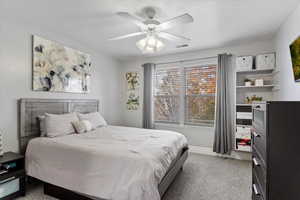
[[116, 162]]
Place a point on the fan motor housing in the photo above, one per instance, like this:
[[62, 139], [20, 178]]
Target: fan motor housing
[[152, 21]]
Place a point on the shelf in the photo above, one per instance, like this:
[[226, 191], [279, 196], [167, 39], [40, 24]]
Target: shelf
[[257, 71], [243, 104], [240, 125], [253, 86], [239, 138], [244, 149]]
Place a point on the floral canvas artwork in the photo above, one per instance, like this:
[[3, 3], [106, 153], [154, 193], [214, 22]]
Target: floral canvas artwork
[[133, 85], [132, 80], [57, 68], [133, 101]]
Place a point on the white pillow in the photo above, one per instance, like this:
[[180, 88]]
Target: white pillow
[[82, 126], [95, 118], [59, 125]]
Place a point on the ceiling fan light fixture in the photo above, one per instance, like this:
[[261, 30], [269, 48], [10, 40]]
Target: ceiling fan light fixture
[[150, 44], [154, 29]]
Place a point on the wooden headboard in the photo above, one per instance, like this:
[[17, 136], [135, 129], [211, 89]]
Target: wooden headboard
[[30, 109]]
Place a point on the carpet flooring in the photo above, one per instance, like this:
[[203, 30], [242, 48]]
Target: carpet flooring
[[203, 178]]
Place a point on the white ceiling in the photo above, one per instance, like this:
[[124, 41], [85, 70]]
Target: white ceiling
[[216, 22]]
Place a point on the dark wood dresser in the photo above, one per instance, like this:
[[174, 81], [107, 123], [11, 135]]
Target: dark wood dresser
[[276, 151]]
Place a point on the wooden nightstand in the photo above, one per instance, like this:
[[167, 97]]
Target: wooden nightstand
[[12, 176]]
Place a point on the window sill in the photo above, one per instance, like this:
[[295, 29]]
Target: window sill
[[183, 125]]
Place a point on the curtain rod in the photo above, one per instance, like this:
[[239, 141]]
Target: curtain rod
[[187, 60]]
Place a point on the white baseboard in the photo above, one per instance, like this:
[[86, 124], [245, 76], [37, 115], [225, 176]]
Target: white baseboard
[[209, 151]]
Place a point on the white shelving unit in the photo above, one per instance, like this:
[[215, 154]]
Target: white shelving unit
[[242, 137]]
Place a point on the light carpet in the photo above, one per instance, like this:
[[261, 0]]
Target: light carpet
[[203, 178]]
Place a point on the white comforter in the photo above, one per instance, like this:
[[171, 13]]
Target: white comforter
[[112, 162]]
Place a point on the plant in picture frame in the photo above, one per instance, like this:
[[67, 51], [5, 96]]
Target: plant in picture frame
[[132, 80], [133, 101], [253, 98]]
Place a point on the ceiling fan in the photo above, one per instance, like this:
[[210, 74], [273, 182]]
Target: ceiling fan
[[154, 30]]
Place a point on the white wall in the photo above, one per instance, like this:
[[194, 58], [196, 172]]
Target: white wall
[[200, 136], [16, 77], [288, 32]]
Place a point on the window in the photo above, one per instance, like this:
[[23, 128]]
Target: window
[[200, 92], [185, 95], [167, 95]]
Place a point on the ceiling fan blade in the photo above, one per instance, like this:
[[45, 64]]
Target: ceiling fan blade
[[127, 36], [173, 37], [135, 19], [182, 19]]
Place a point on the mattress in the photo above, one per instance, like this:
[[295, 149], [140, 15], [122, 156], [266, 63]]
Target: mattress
[[112, 162]]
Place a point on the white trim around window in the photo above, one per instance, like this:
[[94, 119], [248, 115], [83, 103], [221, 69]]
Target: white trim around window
[[177, 76]]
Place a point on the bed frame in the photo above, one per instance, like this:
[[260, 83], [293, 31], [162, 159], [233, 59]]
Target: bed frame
[[30, 109]]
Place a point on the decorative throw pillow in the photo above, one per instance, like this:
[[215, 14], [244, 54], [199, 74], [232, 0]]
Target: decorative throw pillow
[[88, 125], [82, 126], [42, 123], [79, 127], [59, 125], [95, 118]]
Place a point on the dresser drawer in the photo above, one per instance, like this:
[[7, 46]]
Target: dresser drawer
[[258, 131], [257, 197], [260, 173], [254, 197], [9, 186], [259, 116], [259, 142], [257, 159], [257, 192], [259, 128]]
